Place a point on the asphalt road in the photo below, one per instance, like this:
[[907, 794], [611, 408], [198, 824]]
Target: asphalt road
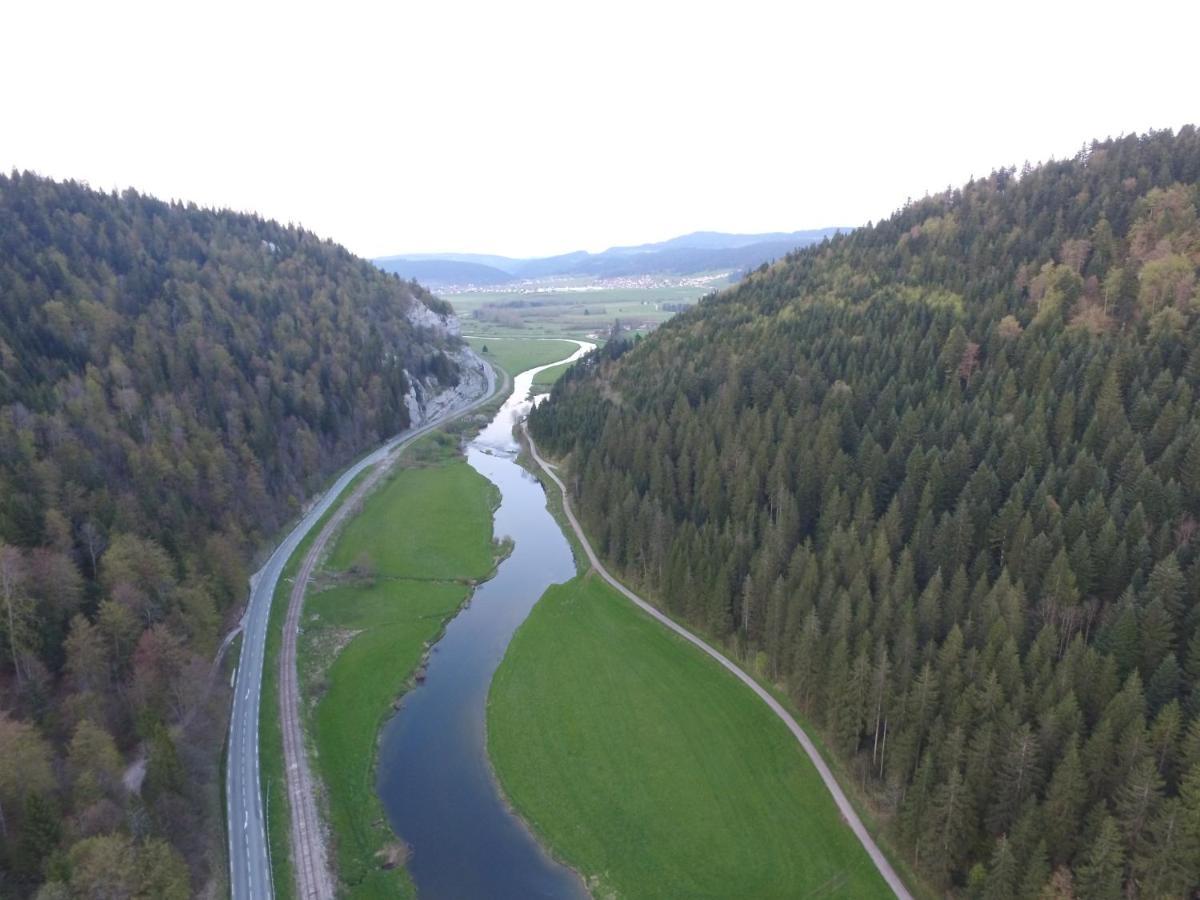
[[839, 797], [249, 855]]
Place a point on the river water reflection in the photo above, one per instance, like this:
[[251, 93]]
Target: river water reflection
[[434, 776]]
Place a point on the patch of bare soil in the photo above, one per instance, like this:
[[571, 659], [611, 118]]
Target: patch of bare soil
[[321, 649], [393, 855]]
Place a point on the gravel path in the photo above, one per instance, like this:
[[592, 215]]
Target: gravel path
[[839, 797], [314, 879]]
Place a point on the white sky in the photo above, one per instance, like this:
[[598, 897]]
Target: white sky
[[535, 128]]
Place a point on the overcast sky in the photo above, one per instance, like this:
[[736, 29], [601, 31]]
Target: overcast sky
[[537, 128]]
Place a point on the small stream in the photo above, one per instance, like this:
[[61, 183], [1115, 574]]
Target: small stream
[[435, 780]]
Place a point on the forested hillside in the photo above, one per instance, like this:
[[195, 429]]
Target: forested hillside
[[173, 383], [940, 479]]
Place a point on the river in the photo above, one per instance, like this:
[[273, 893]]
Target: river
[[435, 779]]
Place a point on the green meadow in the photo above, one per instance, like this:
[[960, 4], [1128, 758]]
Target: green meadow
[[650, 769], [399, 570], [428, 520], [270, 729], [587, 314], [546, 378], [515, 355]]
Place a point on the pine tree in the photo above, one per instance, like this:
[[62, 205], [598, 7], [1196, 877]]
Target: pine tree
[[1019, 777], [1167, 866], [1167, 585], [1036, 873], [947, 818], [1164, 684], [1002, 874], [1008, 535], [1065, 798], [1157, 637], [1189, 469], [1098, 876], [913, 826], [1137, 803]]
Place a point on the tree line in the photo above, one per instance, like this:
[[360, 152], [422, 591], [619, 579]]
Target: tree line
[[940, 480]]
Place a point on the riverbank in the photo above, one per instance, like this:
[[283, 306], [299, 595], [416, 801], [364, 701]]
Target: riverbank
[[272, 775], [435, 778], [850, 803], [641, 762], [514, 354], [382, 599], [399, 569], [271, 768]]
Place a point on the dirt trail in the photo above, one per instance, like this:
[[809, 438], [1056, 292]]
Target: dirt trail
[[839, 796], [314, 879]]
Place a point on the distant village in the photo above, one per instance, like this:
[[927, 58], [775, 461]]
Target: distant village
[[575, 285]]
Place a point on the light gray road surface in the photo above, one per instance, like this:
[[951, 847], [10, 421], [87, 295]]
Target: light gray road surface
[[249, 855], [839, 797]]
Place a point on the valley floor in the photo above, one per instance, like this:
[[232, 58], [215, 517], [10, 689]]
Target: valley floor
[[401, 567], [388, 590], [654, 772], [515, 355], [637, 759]]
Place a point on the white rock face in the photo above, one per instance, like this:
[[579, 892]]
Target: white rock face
[[422, 316], [428, 398], [476, 379], [415, 416]]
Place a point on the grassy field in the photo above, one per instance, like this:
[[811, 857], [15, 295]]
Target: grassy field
[[450, 502], [270, 744], [428, 535], [515, 355], [545, 380], [652, 770], [580, 314], [270, 729]]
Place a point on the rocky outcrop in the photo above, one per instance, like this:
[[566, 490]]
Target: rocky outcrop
[[422, 316], [428, 398]]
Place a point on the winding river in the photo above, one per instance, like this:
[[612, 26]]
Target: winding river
[[435, 779]]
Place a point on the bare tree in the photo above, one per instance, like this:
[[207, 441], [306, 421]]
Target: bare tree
[[93, 541], [18, 608]]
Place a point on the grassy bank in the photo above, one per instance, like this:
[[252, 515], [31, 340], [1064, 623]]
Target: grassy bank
[[270, 729], [648, 767], [424, 521], [554, 503], [582, 314], [545, 379], [270, 740], [399, 571], [515, 355]]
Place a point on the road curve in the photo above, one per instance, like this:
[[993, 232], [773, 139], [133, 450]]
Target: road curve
[[250, 876], [839, 797]]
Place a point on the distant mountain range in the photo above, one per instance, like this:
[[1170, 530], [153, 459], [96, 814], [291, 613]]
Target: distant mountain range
[[701, 251]]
